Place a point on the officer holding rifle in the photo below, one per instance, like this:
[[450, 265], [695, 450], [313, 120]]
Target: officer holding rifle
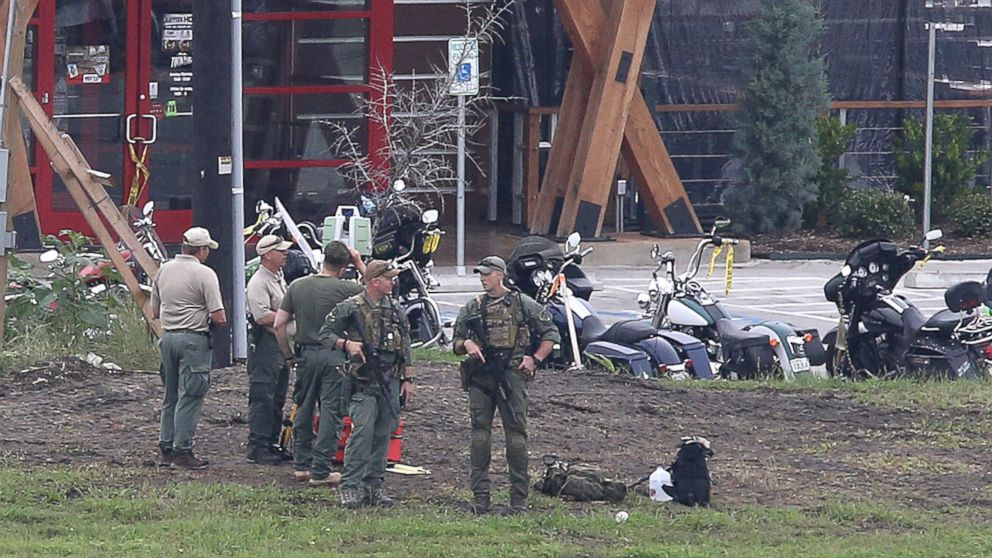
[[507, 336], [373, 330]]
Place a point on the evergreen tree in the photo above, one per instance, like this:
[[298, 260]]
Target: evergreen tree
[[775, 139]]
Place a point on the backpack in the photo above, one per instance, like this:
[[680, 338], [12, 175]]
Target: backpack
[[579, 482], [690, 473]]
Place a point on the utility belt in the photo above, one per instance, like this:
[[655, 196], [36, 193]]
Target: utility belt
[[308, 347], [193, 331]]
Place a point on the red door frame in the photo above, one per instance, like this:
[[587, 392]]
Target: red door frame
[[171, 224]]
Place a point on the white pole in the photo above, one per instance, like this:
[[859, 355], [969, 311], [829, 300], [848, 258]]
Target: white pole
[[566, 296], [239, 322], [928, 148], [460, 261]]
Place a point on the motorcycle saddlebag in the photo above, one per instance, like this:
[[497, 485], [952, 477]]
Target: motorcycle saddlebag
[[634, 361], [694, 350], [748, 354]]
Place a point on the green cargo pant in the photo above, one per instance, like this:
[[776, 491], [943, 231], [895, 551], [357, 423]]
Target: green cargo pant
[[185, 374], [268, 377], [483, 402], [372, 425], [318, 382]]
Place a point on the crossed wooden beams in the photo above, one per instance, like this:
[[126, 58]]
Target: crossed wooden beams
[[603, 114]]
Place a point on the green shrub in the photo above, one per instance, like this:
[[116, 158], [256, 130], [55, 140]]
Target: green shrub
[[832, 140], [972, 213], [874, 213]]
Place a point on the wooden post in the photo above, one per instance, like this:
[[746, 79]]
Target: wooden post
[[616, 69], [642, 148], [89, 196], [17, 172]]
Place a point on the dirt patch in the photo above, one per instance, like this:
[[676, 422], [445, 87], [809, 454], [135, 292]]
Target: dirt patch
[[772, 447], [830, 243]]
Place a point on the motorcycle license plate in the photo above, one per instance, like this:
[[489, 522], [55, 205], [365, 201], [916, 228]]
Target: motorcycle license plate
[[799, 364], [431, 243]]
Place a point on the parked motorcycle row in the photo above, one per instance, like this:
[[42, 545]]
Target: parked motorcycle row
[[685, 332]]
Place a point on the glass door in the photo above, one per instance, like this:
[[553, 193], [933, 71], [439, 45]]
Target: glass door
[[116, 75]]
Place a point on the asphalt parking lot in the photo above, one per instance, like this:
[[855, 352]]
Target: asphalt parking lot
[[788, 291]]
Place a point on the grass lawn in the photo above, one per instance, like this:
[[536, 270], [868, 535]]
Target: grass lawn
[[110, 512]]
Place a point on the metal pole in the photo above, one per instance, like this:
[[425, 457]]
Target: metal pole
[[6, 68], [239, 322], [928, 148], [460, 262]]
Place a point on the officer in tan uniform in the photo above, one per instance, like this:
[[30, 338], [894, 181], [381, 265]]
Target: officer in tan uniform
[[497, 330], [186, 296], [268, 373]]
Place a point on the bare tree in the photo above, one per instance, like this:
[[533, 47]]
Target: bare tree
[[419, 122]]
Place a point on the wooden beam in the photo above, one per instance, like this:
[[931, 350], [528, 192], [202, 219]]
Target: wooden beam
[[616, 69], [77, 165], [86, 193], [563, 146], [653, 168], [20, 194]]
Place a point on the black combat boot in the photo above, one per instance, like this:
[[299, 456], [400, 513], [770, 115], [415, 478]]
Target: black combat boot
[[262, 456], [481, 504], [517, 505], [351, 499], [166, 454], [375, 497], [186, 460]]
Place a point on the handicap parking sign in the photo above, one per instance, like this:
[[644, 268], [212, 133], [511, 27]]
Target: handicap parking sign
[[463, 66]]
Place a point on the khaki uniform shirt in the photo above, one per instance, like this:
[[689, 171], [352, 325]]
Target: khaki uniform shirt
[[186, 292], [265, 292]]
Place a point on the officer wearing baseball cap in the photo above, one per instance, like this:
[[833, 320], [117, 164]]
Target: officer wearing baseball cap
[[268, 373], [186, 296], [497, 330]]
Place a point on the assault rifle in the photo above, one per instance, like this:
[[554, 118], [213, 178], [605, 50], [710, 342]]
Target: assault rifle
[[495, 363], [373, 362]]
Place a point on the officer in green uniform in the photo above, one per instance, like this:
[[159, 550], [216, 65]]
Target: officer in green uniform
[[373, 330], [186, 296], [268, 374], [498, 331], [318, 376]]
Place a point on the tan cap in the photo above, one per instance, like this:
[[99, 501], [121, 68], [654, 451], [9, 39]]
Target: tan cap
[[198, 237], [271, 242], [379, 268], [490, 264]]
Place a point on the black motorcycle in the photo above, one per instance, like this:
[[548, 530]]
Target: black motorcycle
[[554, 278], [883, 334], [407, 235]]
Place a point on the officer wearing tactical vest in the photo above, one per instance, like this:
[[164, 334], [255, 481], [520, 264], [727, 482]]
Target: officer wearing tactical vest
[[497, 330], [373, 330], [268, 374], [186, 296], [318, 378]]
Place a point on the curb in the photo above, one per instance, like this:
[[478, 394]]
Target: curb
[[782, 256]]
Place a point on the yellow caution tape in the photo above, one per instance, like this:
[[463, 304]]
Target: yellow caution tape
[[713, 257], [937, 250], [250, 230], [730, 269], [141, 172]]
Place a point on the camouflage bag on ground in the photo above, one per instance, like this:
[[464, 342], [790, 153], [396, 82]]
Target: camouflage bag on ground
[[579, 482]]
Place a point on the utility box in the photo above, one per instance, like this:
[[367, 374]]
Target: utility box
[[349, 227]]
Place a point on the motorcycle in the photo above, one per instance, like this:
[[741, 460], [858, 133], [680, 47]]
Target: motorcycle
[[744, 349], [553, 277], [883, 334], [302, 259], [409, 237]]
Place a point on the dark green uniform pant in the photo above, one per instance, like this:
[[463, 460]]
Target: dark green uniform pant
[[185, 374], [483, 402], [268, 375], [372, 425], [318, 382]]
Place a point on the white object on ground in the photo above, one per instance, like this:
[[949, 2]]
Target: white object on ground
[[660, 477], [621, 516]]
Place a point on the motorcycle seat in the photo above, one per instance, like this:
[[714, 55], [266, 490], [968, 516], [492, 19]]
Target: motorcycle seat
[[944, 321], [732, 333], [592, 330], [628, 332]]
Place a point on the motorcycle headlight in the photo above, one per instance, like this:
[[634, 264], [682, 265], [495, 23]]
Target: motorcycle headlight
[[643, 300]]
